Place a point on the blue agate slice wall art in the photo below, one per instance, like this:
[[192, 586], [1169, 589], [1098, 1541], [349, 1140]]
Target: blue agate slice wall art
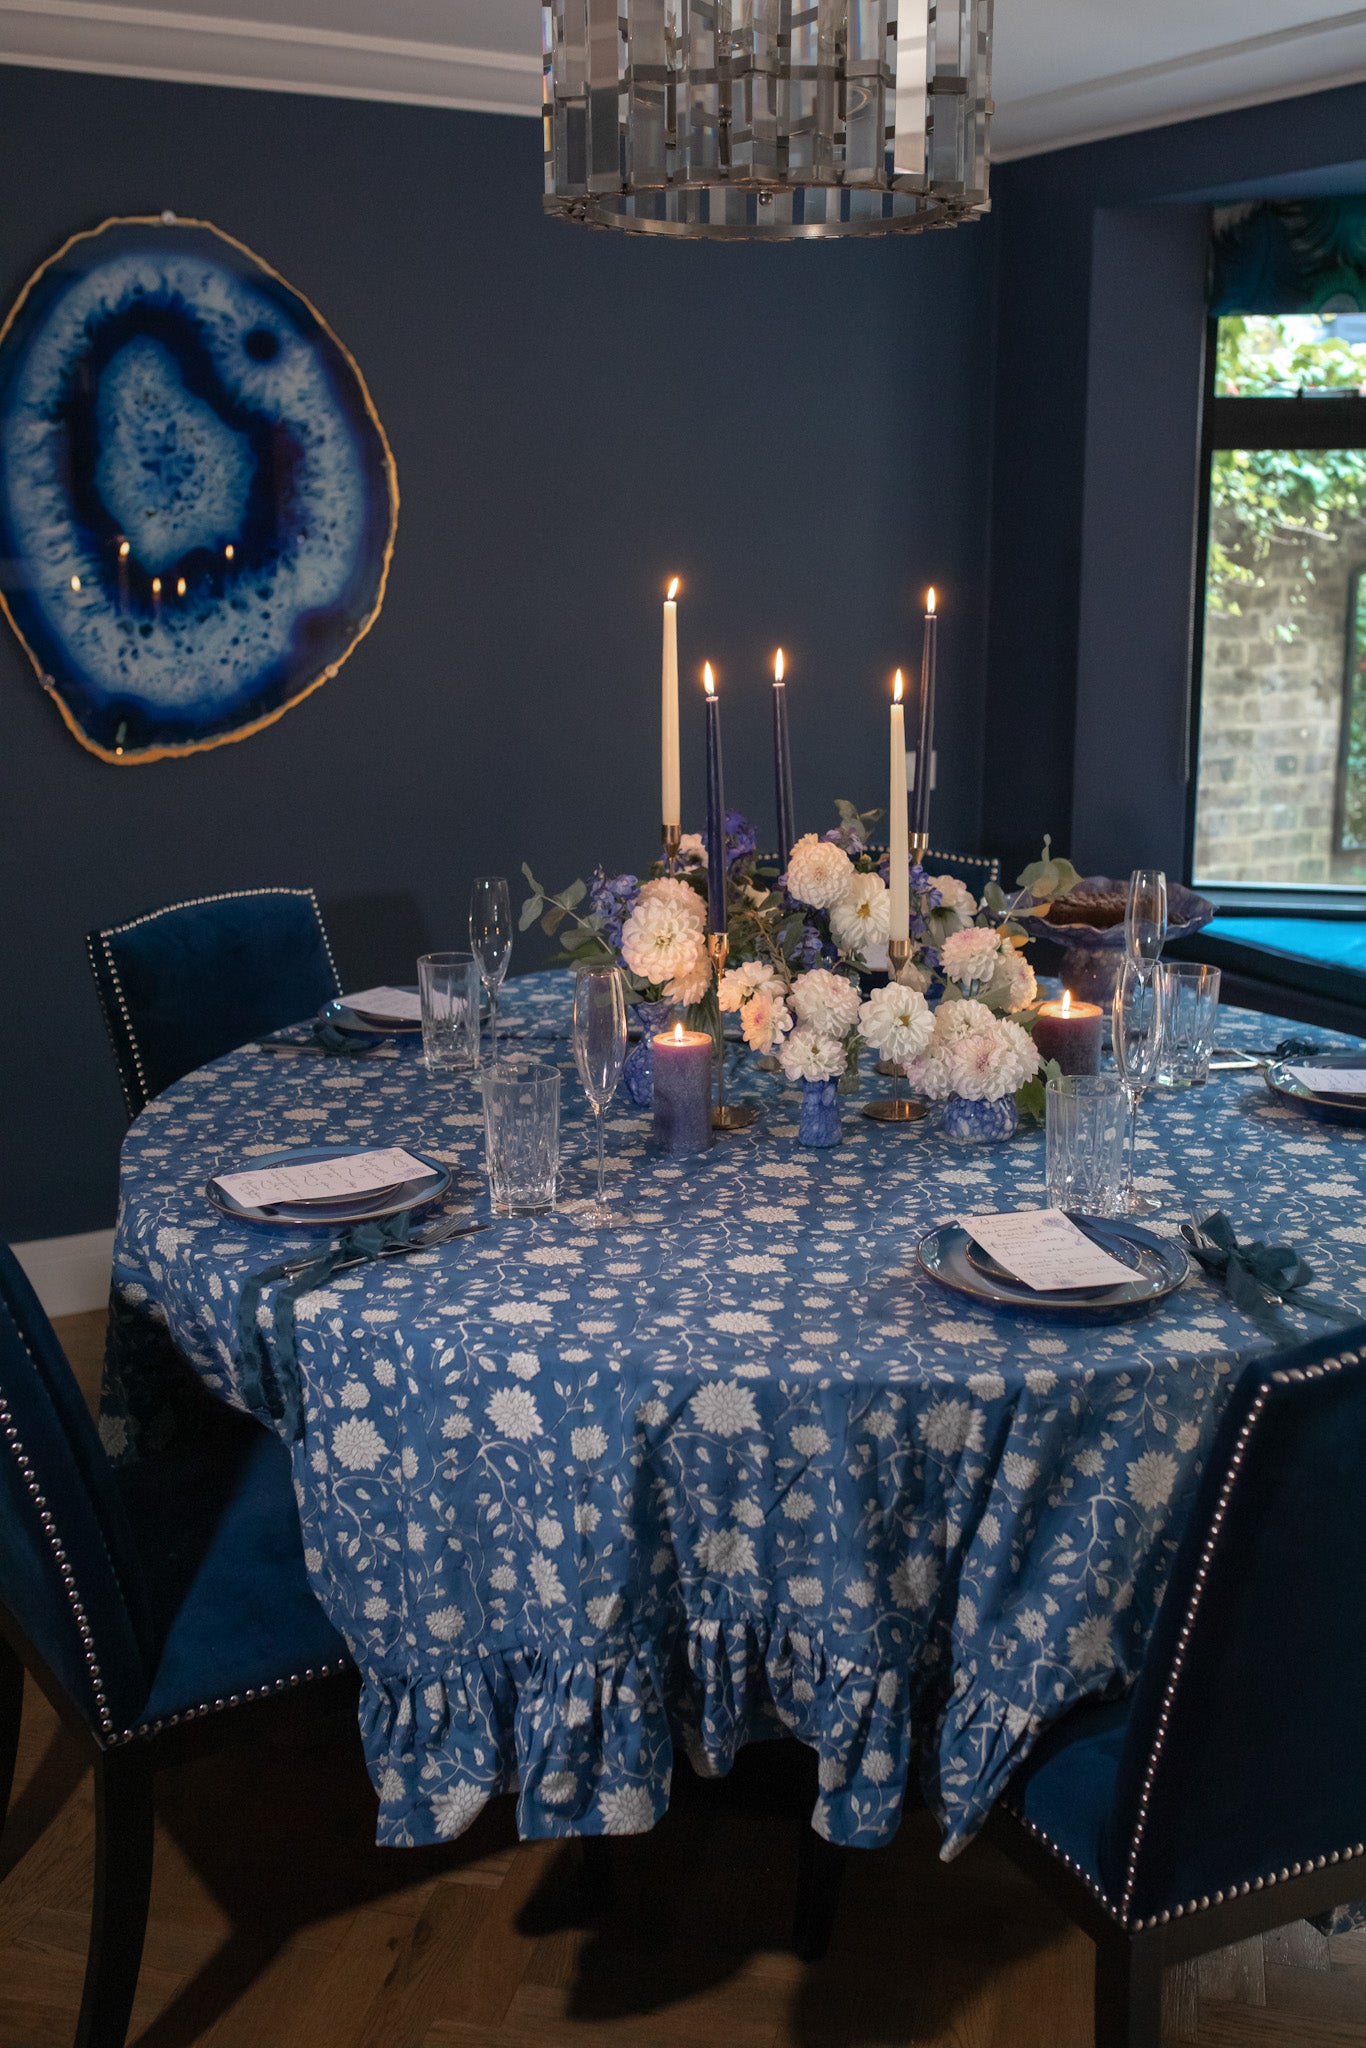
[[197, 499]]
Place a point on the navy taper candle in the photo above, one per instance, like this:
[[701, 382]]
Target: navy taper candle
[[782, 764], [682, 1102], [924, 749], [716, 810]]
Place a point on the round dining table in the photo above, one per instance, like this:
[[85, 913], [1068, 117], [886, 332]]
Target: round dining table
[[732, 1467]]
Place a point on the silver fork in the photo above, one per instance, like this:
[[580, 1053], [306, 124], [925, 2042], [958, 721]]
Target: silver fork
[[441, 1234]]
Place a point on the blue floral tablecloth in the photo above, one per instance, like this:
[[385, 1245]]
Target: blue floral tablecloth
[[574, 1499]]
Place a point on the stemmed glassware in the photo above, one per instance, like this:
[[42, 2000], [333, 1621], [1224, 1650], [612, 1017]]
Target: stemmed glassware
[[1145, 918], [491, 941], [599, 1050], [1136, 1035]]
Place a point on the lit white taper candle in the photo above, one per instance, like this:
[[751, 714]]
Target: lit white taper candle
[[898, 851], [671, 809]]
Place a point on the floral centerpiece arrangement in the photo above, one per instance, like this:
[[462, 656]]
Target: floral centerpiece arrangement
[[807, 949]]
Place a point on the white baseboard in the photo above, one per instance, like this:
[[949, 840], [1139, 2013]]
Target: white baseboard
[[69, 1274]]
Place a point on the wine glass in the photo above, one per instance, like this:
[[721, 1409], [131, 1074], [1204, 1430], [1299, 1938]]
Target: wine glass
[[1136, 1037], [1145, 918], [599, 1050], [491, 941]]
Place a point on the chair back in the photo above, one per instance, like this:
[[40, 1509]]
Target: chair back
[[72, 1591], [1243, 1756], [183, 985]]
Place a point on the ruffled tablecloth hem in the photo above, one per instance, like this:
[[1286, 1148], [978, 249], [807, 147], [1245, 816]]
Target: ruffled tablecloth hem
[[587, 1743]]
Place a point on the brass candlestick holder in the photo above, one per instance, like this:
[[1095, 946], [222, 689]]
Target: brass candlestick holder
[[672, 836], [726, 1116], [898, 1108], [917, 846]]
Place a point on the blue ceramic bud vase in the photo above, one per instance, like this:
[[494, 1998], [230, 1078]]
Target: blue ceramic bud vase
[[979, 1123], [638, 1073], [820, 1121]]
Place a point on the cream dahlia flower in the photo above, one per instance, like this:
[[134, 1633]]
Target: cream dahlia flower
[[862, 918], [810, 1055], [662, 940], [738, 984], [826, 1001], [764, 1019], [897, 1021], [970, 956], [818, 872]]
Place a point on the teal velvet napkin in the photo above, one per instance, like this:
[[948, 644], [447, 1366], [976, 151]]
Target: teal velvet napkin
[[1257, 1276]]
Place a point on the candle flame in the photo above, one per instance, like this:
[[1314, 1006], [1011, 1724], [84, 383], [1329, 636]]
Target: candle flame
[[75, 583], [123, 550], [229, 551], [929, 602], [156, 586], [898, 686], [779, 671], [180, 586], [1066, 1001], [672, 591], [708, 679], [678, 1033]]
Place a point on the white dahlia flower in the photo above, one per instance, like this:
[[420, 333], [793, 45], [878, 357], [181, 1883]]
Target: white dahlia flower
[[809, 1055], [764, 1019], [662, 940], [897, 1021], [738, 984], [970, 956], [826, 1001], [862, 918], [955, 896], [692, 850], [1013, 986], [992, 1060], [819, 873]]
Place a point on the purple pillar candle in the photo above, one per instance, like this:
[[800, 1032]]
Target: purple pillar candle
[[683, 1063], [1069, 1033]]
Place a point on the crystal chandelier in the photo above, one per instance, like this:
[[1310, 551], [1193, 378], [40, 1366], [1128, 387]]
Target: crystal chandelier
[[767, 118]]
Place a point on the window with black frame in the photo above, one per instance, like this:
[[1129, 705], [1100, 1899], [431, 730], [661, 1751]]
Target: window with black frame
[[1280, 786]]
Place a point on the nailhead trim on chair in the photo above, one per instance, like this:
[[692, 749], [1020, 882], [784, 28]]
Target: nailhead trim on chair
[[151, 917], [58, 1548], [235, 1699], [1290, 1375]]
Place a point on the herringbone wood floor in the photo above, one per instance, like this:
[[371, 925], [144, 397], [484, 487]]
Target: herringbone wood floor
[[275, 1921]]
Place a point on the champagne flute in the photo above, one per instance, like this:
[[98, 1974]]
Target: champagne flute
[[491, 941], [1136, 1037], [599, 1050], [1145, 918]]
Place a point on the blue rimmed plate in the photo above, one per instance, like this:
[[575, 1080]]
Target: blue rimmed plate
[[366, 1025], [1320, 1101], [427, 1187], [1158, 1264]]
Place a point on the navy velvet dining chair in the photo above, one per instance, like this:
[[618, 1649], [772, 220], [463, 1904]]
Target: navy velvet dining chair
[[145, 1602], [1226, 1795], [182, 985]]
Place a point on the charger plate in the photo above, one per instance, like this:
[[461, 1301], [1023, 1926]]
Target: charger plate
[[1159, 1267], [346, 1019], [368, 1208], [1320, 1102]]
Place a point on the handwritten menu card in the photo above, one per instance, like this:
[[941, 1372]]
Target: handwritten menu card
[[1331, 1080], [338, 1178], [1044, 1249], [398, 1005]]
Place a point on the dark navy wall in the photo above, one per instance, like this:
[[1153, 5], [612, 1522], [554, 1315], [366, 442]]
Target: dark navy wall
[[801, 432], [1091, 572]]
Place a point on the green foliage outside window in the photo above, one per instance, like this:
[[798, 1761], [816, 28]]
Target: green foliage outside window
[[1281, 506]]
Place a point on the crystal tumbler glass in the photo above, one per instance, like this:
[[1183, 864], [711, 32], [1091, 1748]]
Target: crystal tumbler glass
[[1190, 1021], [521, 1135], [448, 984], [1087, 1127]]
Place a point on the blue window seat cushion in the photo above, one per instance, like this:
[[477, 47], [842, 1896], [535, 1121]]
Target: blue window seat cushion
[[1320, 956]]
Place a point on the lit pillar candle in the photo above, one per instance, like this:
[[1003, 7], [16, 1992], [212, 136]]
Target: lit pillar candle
[[682, 1100], [1069, 1033], [782, 761], [924, 744], [716, 810], [670, 810], [898, 852]]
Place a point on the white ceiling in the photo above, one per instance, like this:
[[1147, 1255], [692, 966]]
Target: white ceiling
[[1066, 70]]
